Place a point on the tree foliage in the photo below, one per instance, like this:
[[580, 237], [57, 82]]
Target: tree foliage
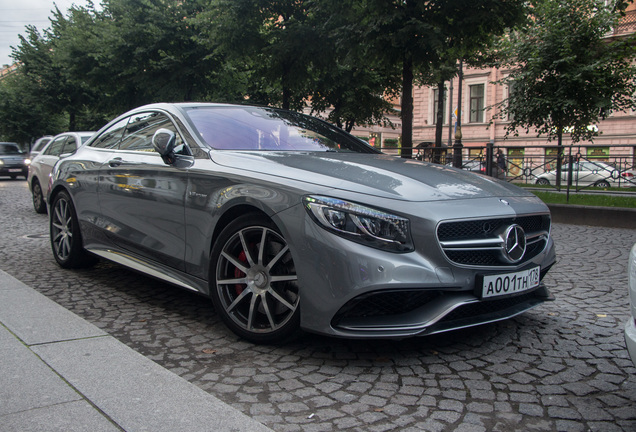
[[427, 37], [567, 74], [342, 58]]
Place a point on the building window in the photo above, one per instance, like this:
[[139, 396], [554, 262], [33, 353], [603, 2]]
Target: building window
[[435, 105], [511, 90], [477, 103], [516, 159]]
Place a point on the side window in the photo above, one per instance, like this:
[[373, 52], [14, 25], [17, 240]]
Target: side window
[[110, 137], [56, 147], [70, 146], [141, 128]]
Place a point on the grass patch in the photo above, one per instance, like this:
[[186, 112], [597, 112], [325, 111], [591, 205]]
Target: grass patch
[[587, 189], [587, 200]]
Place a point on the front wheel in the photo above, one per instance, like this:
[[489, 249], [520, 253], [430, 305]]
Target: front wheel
[[66, 239], [38, 197], [543, 182], [253, 281]]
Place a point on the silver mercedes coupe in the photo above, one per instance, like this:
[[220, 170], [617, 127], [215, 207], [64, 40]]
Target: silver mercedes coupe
[[287, 222]]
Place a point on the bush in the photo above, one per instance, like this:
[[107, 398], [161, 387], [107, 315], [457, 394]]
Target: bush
[[391, 142]]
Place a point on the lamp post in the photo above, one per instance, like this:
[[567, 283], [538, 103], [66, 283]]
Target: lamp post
[[457, 146]]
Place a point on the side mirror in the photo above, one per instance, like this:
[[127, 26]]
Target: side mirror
[[164, 141]]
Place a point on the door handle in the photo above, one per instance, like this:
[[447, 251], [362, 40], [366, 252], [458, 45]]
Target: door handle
[[119, 162]]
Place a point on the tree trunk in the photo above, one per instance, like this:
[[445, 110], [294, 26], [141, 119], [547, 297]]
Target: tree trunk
[[559, 156], [286, 98], [439, 122], [407, 108], [71, 121]]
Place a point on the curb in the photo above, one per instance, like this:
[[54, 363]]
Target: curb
[[609, 217]]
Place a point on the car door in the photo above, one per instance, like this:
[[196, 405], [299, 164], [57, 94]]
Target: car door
[[142, 198], [49, 157]]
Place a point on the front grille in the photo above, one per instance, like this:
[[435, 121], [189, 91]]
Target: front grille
[[383, 303], [484, 228], [478, 242]]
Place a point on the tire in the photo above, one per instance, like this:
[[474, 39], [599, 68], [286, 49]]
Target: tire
[[38, 198], [543, 182], [253, 281], [66, 238], [602, 184]]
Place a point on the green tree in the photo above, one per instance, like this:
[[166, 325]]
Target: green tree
[[347, 82], [269, 42], [146, 51], [24, 114], [45, 64], [567, 73], [423, 36]]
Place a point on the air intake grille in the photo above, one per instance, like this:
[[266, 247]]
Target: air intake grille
[[385, 303]]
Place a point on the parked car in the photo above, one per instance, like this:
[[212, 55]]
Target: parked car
[[473, 165], [586, 173], [13, 161], [41, 165], [288, 222], [38, 145], [630, 325]]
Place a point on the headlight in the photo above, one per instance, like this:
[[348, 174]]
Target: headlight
[[361, 224], [1, 162], [27, 161]]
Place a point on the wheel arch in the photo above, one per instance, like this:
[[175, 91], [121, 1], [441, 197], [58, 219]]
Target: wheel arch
[[55, 191], [232, 213]]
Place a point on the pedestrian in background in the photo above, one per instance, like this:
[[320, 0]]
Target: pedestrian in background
[[501, 165]]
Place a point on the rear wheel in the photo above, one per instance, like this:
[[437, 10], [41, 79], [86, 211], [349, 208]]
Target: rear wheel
[[253, 281], [602, 184], [543, 182], [66, 239], [38, 197]]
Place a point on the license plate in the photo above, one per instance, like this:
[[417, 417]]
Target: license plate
[[510, 283], [15, 170]]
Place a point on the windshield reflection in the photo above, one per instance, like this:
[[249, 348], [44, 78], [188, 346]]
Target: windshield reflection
[[266, 129]]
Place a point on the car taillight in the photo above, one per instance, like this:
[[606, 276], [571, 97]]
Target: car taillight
[[627, 174]]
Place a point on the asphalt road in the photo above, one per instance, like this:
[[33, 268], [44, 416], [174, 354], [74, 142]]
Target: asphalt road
[[560, 367]]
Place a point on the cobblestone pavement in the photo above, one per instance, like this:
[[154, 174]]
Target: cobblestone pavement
[[560, 367]]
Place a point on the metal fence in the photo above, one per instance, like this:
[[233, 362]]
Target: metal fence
[[580, 169]]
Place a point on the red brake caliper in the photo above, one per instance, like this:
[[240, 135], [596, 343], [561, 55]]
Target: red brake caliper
[[239, 274]]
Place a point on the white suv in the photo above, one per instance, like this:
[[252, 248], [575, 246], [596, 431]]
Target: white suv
[[630, 326]]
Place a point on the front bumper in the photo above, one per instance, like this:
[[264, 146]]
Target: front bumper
[[354, 291], [14, 171]]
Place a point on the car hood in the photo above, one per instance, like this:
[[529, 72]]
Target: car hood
[[372, 174]]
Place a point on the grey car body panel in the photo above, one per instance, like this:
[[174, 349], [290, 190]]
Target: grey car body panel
[[377, 175], [162, 220]]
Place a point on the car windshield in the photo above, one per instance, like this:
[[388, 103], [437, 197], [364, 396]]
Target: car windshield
[[252, 128], [9, 149]]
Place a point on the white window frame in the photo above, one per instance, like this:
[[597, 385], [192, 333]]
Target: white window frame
[[466, 98]]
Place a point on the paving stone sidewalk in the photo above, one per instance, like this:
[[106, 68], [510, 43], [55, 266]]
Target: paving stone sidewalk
[[562, 366]]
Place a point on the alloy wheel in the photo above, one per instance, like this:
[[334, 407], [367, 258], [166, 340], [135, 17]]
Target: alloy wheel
[[256, 281], [62, 229]]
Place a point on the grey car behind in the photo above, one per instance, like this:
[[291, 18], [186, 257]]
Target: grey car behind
[[13, 161]]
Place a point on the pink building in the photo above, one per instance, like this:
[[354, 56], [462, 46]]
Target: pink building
[[480, 125]]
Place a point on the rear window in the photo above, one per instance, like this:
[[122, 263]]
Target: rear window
[[266, 129]]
